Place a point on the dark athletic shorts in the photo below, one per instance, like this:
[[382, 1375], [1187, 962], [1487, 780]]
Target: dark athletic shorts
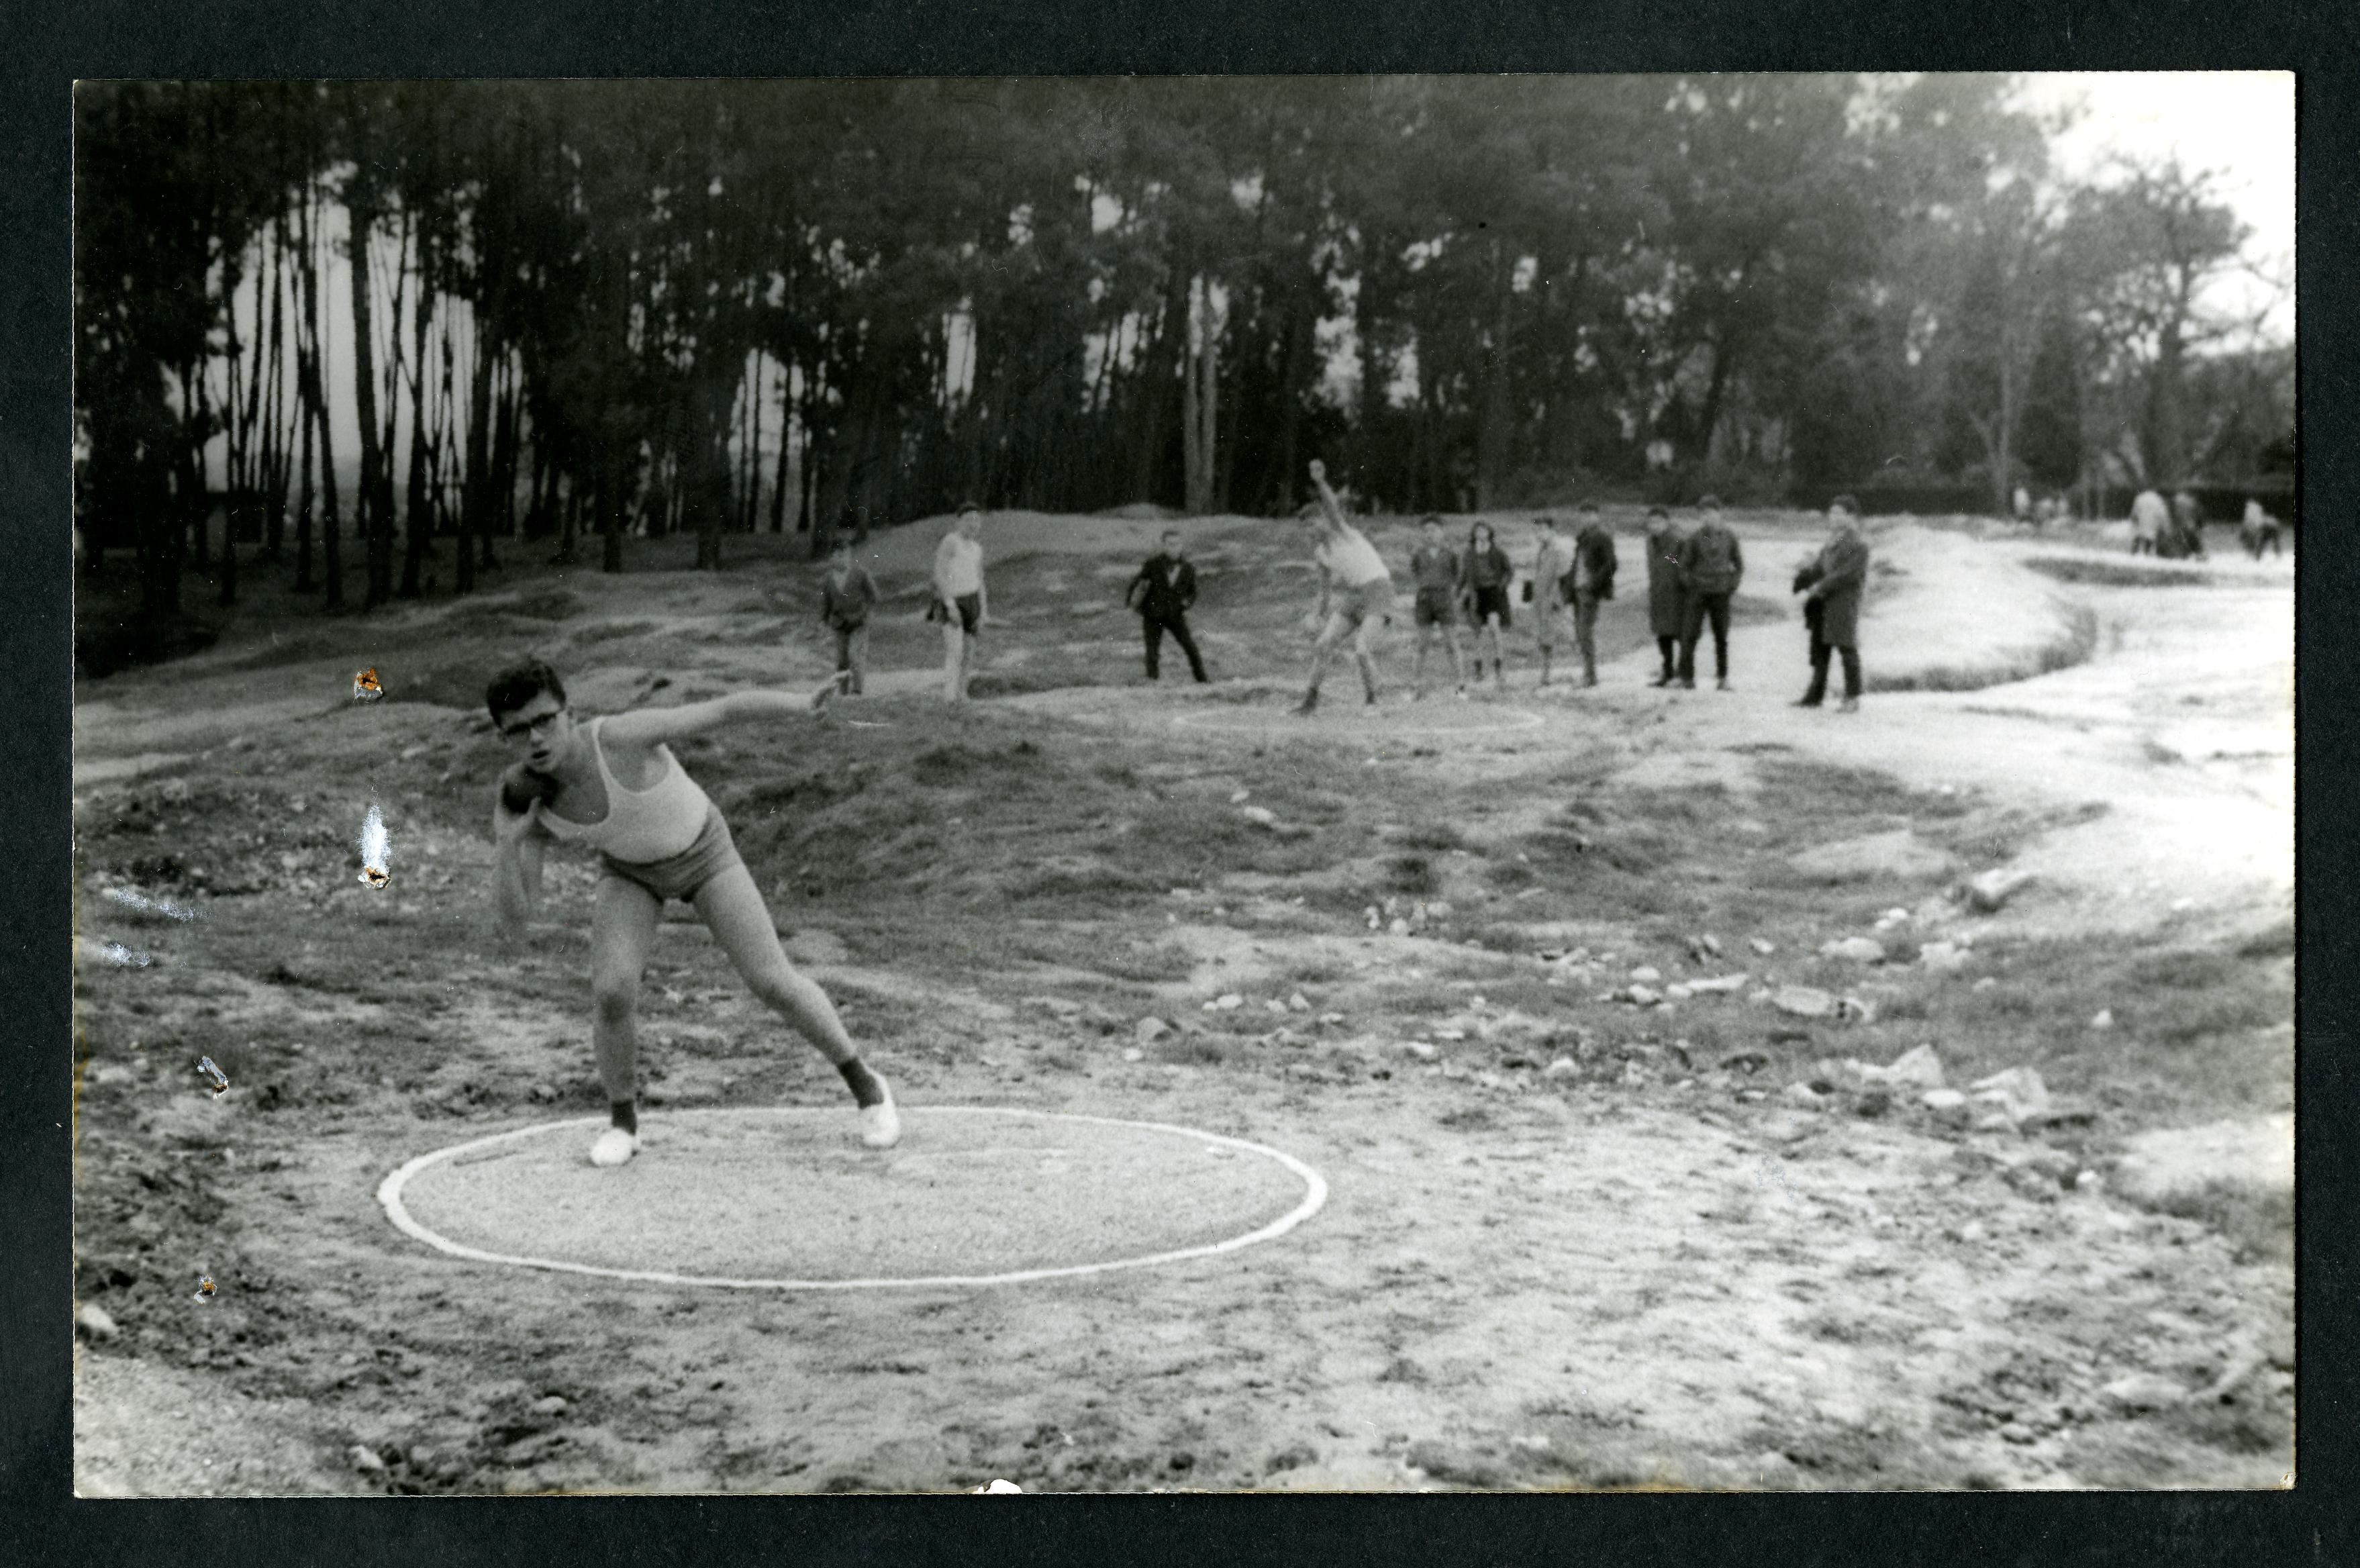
[[1435, 606], [1371, 601], [1490, 602], [970, 612], [679, 876]]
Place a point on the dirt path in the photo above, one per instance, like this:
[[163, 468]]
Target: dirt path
[[1651, 1270]]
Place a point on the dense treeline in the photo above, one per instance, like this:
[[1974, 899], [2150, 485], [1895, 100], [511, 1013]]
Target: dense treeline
[[607, 308]]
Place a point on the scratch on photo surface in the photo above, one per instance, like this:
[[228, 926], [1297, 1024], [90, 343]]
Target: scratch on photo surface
[[130, 958], [377, 849], [131, 899], [366, 687], [215, 1077]]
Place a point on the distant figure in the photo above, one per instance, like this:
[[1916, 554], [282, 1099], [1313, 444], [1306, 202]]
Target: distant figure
[[1552, 589], [1667, 602], [1593, 582], [845, 596], [2258, 529], [1711, 565], [1356, 592], [1485, 573], [2023, 504], [1835, 579], [2187, 526], [960, 606], [1161, 592], [1434, 568], [2150, 517]]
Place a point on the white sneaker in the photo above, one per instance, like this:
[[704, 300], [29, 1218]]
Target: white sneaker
[[613, 1147], [880, 1124]]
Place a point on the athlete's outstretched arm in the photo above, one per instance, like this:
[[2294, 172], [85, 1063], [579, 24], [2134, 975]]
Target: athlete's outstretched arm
[[654, 726], [1328, 502]]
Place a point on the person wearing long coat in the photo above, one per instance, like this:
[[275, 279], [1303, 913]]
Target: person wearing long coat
[[1832, 582], [1668, 600]]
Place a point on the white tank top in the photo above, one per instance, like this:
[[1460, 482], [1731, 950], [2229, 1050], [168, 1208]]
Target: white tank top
[[1351, 558], [640, 824]]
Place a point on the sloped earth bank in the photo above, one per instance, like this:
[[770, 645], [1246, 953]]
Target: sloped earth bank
[[1570, 1241]]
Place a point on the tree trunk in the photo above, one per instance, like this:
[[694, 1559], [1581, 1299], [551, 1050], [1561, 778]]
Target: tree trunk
[[1200, 397], [332, 554], [375, 498], [1155, 392], [1373, 374], [2167, 431], [786, 431], [160, 540], [476, 481], [1715, 389], [303, 506], [501, 508], [417, 511], [1492, 435]]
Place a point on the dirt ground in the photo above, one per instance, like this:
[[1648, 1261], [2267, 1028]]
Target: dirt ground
[[1578, 1237]]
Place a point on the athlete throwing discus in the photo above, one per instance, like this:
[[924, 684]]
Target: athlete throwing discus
[[1356, 592], [614, 785]]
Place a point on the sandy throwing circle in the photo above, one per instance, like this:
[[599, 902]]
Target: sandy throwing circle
[[784, 1198]]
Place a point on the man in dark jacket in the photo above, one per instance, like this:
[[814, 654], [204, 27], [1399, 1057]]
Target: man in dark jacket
[[1667, 603], [1835, 579], [1162, 594], [1711, 565], [1594, 581]]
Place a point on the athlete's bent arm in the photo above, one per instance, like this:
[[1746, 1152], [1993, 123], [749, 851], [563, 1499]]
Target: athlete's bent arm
[[517, 848]]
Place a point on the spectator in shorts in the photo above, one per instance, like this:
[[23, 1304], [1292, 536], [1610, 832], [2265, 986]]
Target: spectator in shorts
[[2150, 515], [961, 605], [845, 596], [1162, 594], [1552, 589], [1667, 603], [1356, 592], [1484, 575], [1593, 582], [1435, 570], [1711, 565], [1835, 579]]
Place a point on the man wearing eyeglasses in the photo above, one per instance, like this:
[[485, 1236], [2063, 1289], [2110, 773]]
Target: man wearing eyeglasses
[[613, 783]]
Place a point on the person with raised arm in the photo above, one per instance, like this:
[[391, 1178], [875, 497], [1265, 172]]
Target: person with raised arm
[[1356, 592]]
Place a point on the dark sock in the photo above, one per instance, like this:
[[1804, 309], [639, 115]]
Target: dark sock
[[627, 1115], [868, 1088]]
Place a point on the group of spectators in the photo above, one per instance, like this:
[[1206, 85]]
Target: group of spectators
[[2174, 529], [1693, 575]]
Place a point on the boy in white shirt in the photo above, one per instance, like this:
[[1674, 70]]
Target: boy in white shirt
[[961, 603]]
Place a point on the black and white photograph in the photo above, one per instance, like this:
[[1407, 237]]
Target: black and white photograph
[[1539, 783]]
